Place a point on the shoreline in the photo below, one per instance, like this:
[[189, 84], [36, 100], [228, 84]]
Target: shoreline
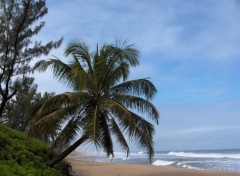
[[82, 167]]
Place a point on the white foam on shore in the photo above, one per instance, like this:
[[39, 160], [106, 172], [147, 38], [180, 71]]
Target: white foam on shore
[[185, 165], [190, 167], [162, 163], [205, 155]]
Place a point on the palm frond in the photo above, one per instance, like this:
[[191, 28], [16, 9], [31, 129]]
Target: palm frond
[[91, 127], [140, 131], [80, 78], [60, 70], [115, 107], [58, 101], [119, 136], [107, 143], [68, 133], [136, 87], [115, 74], [95, 125], [113, 56], [139, 104], [102, 65], [100, 68], [56, 109], [80, 50], [50, 120], [121, 71], [42, 65], [127, 51]]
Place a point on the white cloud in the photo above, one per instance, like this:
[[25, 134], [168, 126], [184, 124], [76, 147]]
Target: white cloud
[[189, 30]]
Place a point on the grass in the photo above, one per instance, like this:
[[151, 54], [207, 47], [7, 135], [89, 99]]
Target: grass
[[20, 156]]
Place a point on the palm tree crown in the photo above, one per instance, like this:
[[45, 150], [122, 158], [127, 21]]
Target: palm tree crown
[[104, 104]]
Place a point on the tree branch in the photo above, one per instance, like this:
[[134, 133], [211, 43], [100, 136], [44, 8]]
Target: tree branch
[[11, 69]]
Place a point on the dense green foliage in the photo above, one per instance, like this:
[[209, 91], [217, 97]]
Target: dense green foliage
[[23, 157]]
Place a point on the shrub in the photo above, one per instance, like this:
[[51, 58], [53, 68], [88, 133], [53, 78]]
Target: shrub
[[22, 156]]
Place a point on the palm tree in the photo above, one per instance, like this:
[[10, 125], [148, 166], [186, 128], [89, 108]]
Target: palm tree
[[103, 105]]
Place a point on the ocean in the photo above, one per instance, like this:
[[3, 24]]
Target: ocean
[[219, 160]]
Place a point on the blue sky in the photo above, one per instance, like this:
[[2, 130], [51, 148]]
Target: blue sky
[[189, 48]]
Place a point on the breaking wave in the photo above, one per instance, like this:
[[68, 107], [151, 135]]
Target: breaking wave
[[162, 163], [205, 155]]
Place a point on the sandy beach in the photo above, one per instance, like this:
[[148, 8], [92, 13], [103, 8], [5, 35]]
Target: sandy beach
[[82, 167]]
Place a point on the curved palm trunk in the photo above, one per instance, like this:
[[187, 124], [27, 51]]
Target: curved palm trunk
[[67, 151]]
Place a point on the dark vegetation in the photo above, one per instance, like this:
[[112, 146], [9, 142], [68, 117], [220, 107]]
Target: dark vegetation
[[19, 23], [20, 156]]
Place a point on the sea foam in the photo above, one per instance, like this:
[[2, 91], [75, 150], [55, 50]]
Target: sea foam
[[162, 163], [205, 155]]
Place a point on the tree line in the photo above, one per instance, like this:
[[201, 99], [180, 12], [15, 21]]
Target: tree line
[[102, 105]]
